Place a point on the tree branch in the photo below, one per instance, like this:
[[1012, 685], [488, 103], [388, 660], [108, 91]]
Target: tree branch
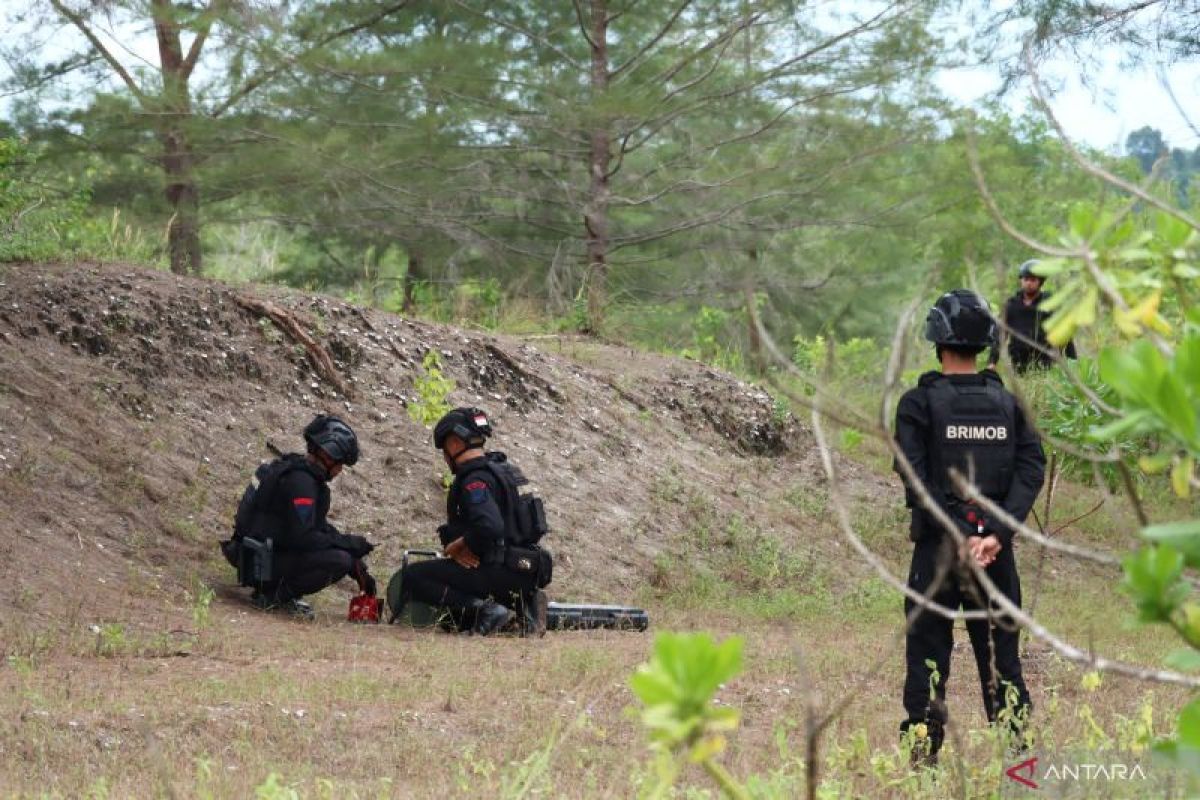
[[255, 81], [654, 40], [117, 66]]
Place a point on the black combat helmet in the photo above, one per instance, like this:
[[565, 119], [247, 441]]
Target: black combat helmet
[[333, 436], [469, 424], [961, 318], [1029, 270]]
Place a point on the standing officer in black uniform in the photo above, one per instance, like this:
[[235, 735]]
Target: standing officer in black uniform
[[287, 504], [1024, 318], [487, 573], [967, 420]]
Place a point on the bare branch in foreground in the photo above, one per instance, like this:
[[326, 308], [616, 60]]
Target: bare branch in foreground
[[1064, 648]]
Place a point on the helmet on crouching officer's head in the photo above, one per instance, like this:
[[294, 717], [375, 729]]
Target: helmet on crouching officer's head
[[333, 437], [961, 320], [469, 424]]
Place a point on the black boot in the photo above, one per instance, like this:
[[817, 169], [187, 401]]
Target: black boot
[[294, 608], [490, 616], [925, 740], [540, 612]]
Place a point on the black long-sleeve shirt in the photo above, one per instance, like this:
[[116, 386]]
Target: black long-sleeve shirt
[[915, 438], [1026, 323], [295, 516], [473, 508]]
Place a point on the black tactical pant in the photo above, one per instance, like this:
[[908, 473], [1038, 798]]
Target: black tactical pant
[[443, 583], [930, 636], [302, 573]]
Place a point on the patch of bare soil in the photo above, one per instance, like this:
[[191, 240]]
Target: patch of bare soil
[[134, 404]]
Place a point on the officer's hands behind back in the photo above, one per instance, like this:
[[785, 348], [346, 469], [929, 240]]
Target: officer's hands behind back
[[984, 549]]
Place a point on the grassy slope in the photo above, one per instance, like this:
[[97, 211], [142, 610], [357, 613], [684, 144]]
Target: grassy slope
[[211, 703]]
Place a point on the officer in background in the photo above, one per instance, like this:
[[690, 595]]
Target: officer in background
[[965, 419], [487, 574], [1024, 320], [288, 506]]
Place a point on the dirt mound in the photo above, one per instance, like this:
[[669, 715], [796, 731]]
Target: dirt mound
[[134, 404]]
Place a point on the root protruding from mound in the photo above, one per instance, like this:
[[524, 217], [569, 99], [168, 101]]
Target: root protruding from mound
[[319, 356]]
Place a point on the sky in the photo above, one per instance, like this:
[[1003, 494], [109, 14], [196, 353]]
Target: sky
[[1097, 95], [1115, 100], [1118, 100]]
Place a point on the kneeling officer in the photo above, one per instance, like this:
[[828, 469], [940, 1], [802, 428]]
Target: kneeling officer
[[493, 565], [287, 504]]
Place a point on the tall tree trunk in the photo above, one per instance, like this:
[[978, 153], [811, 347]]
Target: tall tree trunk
[[178, 161], [183, 232], [412, 274], [600, 155]]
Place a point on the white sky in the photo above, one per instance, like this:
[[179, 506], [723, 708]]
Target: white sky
[[1116, 100], [1095, 92], [1119, 99]]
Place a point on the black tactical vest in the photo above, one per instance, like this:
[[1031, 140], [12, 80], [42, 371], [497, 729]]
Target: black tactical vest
[[524, 515], [258, 499], [973, 429]]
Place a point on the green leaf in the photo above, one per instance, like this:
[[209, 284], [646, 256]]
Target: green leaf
[[1185, 659], [1186, 364], [1173, 231], [1181, 477], [678, 683], [1155, 463], [1177, 411], [1048, 267], [1082, 220], [1183, 536], [1135, 254], [1130, 423], [1189, 725], [1152, 576], [1188, 624], [1185, 270]]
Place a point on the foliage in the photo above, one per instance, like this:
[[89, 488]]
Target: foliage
[[433, 390], [676, 688], [1136, 274], [273, 789], [39, 222], [201, 604]]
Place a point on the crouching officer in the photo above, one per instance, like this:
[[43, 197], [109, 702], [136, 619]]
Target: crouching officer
[[967, 420], [493, 566], [286, 505]]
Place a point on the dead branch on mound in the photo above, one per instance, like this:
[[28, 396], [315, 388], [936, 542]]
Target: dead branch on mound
[[317, 354]]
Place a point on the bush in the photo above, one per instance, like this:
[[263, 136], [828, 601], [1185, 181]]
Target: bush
[[37, 223]]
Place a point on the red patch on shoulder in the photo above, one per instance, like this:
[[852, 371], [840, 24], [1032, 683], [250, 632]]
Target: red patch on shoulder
[[303, 501], [473, 485]]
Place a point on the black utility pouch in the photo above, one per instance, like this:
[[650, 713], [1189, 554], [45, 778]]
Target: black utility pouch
[[232, 550], [257, 563], [531, 518], [545, 568], [532, 561]]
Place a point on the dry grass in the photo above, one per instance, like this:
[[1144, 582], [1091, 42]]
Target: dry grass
[[336, 710]]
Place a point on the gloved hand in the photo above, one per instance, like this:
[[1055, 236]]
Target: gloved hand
[[366, 583], [358, 546]]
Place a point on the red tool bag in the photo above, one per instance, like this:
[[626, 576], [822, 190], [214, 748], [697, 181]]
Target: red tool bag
[[364, 608]]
